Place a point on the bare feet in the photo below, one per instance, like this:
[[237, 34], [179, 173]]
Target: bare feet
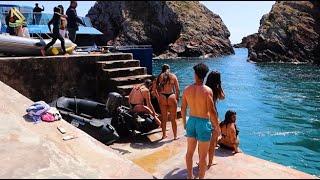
[[237, 151], [189, 177], [164, 137], [209, 165], [43, 52], [212, 164]]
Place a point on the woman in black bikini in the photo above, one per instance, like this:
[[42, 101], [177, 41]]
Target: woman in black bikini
[[168, 90]]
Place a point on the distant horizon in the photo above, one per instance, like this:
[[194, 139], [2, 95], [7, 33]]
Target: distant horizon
[[242, 18]]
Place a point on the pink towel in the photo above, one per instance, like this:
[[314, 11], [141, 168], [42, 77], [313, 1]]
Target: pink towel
[[47, 117]]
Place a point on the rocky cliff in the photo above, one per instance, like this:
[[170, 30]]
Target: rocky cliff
[[173, 28], [289, 33]]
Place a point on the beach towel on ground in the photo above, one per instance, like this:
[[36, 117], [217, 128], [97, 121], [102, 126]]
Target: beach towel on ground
[[37, 109], [47, 117], [56, 114]]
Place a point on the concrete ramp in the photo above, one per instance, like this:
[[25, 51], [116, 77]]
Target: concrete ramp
[[165, 159], [29, 150]]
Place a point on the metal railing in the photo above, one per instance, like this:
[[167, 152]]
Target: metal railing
[[41, 18]]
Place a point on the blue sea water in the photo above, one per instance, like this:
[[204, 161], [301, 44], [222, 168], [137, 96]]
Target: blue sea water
[[277, 105]]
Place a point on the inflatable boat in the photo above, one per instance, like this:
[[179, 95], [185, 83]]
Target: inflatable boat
[[89, 116], [16, 45], [104, 122]]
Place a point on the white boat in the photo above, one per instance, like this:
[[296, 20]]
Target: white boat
[[15, 45]]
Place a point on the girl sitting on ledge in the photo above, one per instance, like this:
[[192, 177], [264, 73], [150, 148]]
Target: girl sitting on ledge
[[229, 132]]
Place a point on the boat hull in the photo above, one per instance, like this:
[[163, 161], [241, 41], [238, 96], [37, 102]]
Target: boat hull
[[89, 116], [14, 45]]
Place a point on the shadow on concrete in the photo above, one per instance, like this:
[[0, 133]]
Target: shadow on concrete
[[149, 145], [27, 118], [142, 141], [121, 151], [223, 152], [178, 173]]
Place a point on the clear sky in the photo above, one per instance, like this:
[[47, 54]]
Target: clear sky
[[241, 17]]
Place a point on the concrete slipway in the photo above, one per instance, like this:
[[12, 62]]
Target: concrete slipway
[[29, 150]]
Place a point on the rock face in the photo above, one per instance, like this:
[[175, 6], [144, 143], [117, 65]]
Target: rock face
[[289, 33], [173, 28], [247, 41]]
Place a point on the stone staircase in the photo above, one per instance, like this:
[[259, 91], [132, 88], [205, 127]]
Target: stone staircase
[[123, 74]]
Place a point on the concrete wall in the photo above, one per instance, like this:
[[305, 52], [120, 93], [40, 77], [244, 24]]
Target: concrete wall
[[47, 78]]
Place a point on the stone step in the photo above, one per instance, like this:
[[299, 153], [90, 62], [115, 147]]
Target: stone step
[[119, 81], [114, 56], [122, 72], [118, 64], [124, 90]]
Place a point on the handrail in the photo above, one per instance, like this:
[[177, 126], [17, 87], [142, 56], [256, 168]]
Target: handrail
[[41, 20]]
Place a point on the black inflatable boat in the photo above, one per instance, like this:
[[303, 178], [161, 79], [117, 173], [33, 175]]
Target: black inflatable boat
[[89, 116], [104, 122]]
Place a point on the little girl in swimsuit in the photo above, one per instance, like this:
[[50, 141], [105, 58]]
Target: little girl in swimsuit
[[229, 132]]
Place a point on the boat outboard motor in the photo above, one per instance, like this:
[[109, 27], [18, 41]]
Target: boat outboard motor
[[114, 101], [126, 122], [146, 123]]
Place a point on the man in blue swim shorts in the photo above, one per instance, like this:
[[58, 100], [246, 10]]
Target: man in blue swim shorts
[[198, 127]]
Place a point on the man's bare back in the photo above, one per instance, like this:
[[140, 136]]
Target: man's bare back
[[197, 97]]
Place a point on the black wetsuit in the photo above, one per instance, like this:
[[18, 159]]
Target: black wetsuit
[[56, 22]]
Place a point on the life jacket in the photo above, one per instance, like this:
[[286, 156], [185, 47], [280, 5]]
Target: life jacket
[[16, 18]]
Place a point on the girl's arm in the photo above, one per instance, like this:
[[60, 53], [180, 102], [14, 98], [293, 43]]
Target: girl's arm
[[232, 134]]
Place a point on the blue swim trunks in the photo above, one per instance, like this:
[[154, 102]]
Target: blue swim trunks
[[199, 128]]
